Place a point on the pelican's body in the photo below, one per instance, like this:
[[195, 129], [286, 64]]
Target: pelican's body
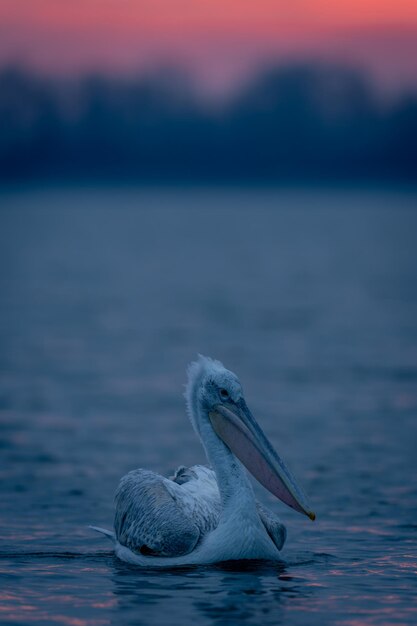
[[205, 515]]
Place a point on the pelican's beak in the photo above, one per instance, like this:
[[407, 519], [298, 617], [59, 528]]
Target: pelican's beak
[[238, 429]]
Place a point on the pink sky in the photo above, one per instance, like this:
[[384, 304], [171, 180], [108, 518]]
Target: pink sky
[[219, 41]]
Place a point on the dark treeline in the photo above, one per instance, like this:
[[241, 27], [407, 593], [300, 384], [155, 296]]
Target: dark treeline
[[295, 123]]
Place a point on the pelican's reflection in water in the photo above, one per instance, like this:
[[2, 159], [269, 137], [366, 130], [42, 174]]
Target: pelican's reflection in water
[[251, 592]]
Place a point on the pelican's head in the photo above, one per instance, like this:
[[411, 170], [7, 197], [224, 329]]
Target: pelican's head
[[214, 394]]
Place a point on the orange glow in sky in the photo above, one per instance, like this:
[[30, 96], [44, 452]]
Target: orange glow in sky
[[219, 40]]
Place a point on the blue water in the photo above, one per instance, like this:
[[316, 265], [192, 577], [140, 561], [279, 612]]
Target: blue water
[[310, 296]]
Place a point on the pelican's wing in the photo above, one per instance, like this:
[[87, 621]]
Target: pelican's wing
[[155, 515], [197, 490], [275, 529]]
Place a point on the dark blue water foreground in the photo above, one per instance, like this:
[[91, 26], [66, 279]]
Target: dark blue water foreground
[[310, 296]]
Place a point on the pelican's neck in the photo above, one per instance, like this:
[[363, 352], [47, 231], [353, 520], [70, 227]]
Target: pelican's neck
[[236, 492], [232, 478]]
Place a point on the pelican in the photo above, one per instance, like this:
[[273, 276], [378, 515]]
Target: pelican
[[203, 515]]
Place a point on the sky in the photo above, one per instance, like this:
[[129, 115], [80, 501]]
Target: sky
[[221, 43]]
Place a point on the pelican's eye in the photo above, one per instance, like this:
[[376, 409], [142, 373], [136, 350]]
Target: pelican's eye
[[224, 394]]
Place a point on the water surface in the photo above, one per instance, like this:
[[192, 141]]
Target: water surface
[[310, 296]]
